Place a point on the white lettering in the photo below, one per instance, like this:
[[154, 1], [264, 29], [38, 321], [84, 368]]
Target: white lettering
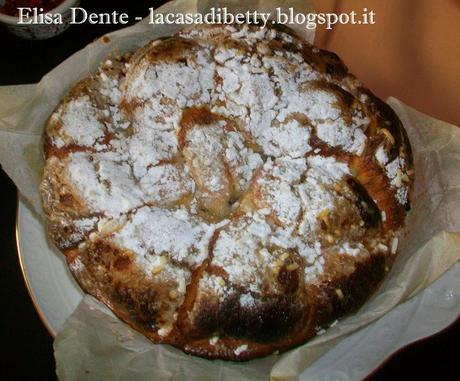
[[23, 15], [265, 17], [36, 16], [75, 12], [98, 18]]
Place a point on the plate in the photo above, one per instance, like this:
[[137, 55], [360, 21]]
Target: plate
[[51, 286], [55, 295]]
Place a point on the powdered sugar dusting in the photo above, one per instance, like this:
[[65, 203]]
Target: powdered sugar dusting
[[241, 124], [174, 234], [347, 249], [237, 250], [104, 181], [396, 172], [150, 146], [381, 156], [79, 124], [247, 301], [203, 149], [279, 197], [168, 183], [315, 193], [76, 265]]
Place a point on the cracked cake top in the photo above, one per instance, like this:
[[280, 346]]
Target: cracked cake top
[[227, 190]]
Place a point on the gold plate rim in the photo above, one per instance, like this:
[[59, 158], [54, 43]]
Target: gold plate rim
[[36, 305]]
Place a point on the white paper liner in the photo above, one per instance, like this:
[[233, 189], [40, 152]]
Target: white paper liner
[[95, 345]]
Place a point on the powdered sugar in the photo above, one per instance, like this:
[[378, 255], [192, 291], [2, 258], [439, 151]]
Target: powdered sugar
[[110, 88], [402, 195], [393, 167], [215, 286], [148, 147], [289, 139], [80, 229], [315, 199], [395, 171], [278, 196], [381, 155], [203, 150], [287, 169], [166, 183], [236, 250], [327, 169], [247, 301], [174, 234], [76, 265], [186, 83], [337, 134], [314, 192], [244, 163], [104, 182], [79, 124], [347, 249]]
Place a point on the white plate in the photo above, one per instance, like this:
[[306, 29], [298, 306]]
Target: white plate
[[56, 295], [52, 287]]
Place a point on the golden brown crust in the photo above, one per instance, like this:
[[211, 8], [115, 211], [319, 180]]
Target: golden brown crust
[[201, 225]]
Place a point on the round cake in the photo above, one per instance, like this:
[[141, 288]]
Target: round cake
[[228, 190]]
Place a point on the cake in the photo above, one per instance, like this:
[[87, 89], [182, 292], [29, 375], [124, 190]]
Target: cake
[[229, 190]]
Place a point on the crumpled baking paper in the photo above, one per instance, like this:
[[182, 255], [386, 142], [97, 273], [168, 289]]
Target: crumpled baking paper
[[95, 345]]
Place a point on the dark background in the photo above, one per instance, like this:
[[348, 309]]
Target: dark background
[[27, 348]]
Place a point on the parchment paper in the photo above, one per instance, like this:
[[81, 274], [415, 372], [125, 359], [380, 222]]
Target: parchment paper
[[94, 345]]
